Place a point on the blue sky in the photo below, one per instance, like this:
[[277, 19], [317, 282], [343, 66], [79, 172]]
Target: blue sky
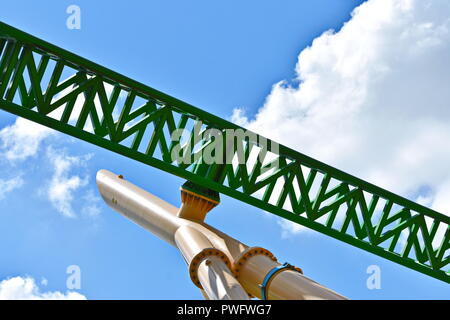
[[216, 55]]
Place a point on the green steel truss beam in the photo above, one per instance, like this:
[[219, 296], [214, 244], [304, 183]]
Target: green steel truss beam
[[68, 93]]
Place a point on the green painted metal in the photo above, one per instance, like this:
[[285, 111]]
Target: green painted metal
[[68, 93]]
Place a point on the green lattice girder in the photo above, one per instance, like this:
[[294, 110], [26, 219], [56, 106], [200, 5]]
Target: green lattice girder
[[63, 91]]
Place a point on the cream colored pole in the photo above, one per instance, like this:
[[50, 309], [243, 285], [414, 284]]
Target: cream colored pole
[[209, 267], [285, 285], [219, 282], [218, 254]]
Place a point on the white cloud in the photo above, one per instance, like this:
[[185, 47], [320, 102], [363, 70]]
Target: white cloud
[[289, 228], [44, 282], [10, 185], [25, 288], [373, 99], [63, 184], [91, 207], [66, 184], [22, 139]]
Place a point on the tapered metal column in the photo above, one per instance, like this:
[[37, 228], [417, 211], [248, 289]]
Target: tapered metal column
[[215, 259], [209, 267], [253, 266]]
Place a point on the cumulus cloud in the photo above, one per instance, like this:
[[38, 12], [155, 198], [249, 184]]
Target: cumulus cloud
[[373, 99], [69, 182], [9, 185], [63, 183], [22, 139], [92, 204], [288, 228], [25, 288]]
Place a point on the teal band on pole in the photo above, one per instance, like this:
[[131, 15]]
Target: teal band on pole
[[271, 274]]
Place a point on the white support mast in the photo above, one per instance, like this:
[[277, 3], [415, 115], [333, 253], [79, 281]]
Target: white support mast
[[221, 266]]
